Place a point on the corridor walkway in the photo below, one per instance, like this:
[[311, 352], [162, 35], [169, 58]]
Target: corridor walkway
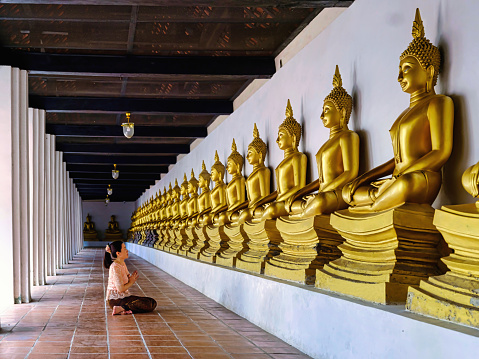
[[69, 319]]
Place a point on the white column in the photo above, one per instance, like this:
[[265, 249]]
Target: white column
[[33, 188], [58, 211], [8, 266], [24, 189], [53, 206], [48, 208], [41, 197]]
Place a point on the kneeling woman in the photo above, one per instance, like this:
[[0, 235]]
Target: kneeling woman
[[119, 281]]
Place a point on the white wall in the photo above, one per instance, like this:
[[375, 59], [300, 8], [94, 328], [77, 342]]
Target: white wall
[[101, 215], [366, 42]]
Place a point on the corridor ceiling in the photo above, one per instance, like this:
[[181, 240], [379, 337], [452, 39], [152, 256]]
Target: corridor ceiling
[[174, 64]]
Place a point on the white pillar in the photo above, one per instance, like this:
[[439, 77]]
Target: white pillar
[[48, 208], [8, 266], [58, 211], [33, 188], [53, 206], [41, 197]]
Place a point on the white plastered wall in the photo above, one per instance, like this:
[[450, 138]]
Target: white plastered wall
[[365, 41]]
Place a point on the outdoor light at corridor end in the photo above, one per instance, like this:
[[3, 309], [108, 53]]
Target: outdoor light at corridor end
[[114, 172], [109, 190], [128, 128]]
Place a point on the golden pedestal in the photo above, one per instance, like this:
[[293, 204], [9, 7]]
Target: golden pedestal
[[190, 233], [90, 236], [383, 253], [164, 237], [214, 237], [110, 237], [142, 237], [233, 246], [194, 252], [159, 238], [307, 245], [263, 242], [171, 237], [453, 296], [182, 240]]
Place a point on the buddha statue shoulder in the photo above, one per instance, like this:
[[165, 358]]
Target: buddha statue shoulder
[[235, 189], [204, 199], [421, 136], [337, 160], [218, 193], [291, 172], [258, 182], [184, 198]]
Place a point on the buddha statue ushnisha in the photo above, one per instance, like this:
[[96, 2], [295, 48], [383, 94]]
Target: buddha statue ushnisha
[[421, 136], [235, 190], [192, 205], [258, 182], [218, 193], [204, 199], [184, 198], [291, 172], [337, 159]]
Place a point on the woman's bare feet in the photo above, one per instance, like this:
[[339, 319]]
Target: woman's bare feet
[[120, 310]]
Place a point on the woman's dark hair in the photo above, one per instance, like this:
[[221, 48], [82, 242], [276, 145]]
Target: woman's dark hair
[[110, 257]]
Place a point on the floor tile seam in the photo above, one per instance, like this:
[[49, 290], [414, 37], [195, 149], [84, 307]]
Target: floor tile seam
[[217, 318], [79, 313]]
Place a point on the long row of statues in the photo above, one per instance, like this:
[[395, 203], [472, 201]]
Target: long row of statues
[[373, 236]]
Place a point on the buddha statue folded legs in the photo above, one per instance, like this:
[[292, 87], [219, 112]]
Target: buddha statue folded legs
[[308, 240], [390, 240]]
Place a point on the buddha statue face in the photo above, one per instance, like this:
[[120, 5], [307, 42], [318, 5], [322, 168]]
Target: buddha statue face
[[253, 157], [203, 183], [232, 167], [285, 140], [331, 116], [183, 190], [192, 189], [412, 76], [215, 175]]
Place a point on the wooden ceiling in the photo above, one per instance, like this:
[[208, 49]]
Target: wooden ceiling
[[174, 64]]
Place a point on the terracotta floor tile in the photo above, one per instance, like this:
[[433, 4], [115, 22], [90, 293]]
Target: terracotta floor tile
[[89, 350], [170, 356], [128, 356], [204, 350], [47, 356], [167, 350], [88, 356]]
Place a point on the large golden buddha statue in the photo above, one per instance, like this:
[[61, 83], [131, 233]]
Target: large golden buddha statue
[[337, 159], [113, 231], [235, 190], [204, 199], [258, 182], [89, 232], [291, 172], [184, 199], [192, 205], [421, 136], [218, 193]]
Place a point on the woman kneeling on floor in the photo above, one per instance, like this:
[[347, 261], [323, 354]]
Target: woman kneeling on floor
[[120, 280]]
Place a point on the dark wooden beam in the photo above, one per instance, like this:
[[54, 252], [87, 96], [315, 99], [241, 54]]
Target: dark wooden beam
[[130, 65], [130, 160], [143, 182], [222, 3], [107, 176], [117, 131], [122, 149], [124, 169], [133, 105]]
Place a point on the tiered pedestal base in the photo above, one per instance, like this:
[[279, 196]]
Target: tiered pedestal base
[[176, 240], [170, 241], [383, 253], [453, 296], [263, 242], [191, 239], [200, 242], [183, 240], [90, 236], [307, 245], [215, 235], [232, 247]]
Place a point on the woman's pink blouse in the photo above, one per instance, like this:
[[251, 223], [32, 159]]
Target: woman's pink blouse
[[118, 276]]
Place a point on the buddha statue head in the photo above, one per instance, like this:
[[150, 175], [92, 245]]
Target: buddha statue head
[[217, 170], [175, 194], [204, 177], [420, 62], [337, 105], [470, 181], [235, 160], [184, 186], [256, 149], [289, 132], [193, 184]]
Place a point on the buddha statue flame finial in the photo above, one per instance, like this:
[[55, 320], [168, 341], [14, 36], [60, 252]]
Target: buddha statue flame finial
[[339, 96], [218, 166], [258, 144], [290, 124], [235, 156], [421, 48]]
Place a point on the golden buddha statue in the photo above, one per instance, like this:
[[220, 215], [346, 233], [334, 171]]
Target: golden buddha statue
[[113, 231], [218, 193], [204, 199], [258, 182], [421, 136], [89, 232], [337, 159], [175, 202], [380, 257], [291, 172], [192, 205], [235, 190], [184, 199]]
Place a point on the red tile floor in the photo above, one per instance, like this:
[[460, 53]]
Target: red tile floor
[[68, 318]]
